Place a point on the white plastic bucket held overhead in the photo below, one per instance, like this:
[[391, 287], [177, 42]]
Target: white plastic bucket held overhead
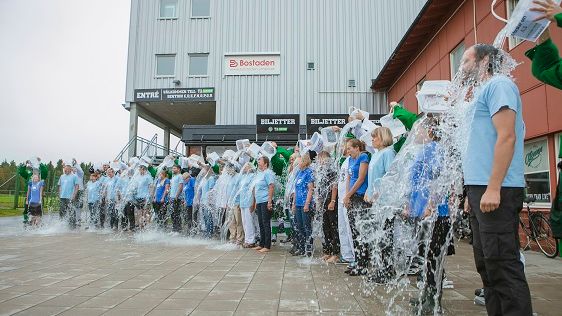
[[358, 114], [395, 126], [184, 162], [254, 150], [316, 142], [147, 161], [133, 162], [368, 125], [304, 146], [229, 155], [242, 144], [168, 162], [213, 158], [431, 97], [194, 160], [521, 24], [329, 137], [242, 157], [34, 162], [268, 150]]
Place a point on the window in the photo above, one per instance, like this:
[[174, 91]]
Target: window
[[558, 143], [165, 65], [456, 58], [537, 170], [198, 64], [513, 41], [200, 8], [168, 9], [420, 84]]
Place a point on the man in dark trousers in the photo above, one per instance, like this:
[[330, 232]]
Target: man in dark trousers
[[494, 175]]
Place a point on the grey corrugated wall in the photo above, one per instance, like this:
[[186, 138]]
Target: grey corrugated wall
[[346, 39]]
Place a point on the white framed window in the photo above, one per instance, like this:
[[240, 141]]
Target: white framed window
[[537, 170], [165, 65], [168, 9], [200, 9], [198, 64], [557, 143], [513, 41], [455, 58]]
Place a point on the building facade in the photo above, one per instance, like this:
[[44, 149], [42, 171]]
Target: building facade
[[443, 31], [219, 62]]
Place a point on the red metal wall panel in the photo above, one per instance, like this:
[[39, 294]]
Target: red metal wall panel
[[534, 112]]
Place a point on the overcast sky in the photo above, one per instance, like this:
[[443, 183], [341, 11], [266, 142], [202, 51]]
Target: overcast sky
[[62, 79]]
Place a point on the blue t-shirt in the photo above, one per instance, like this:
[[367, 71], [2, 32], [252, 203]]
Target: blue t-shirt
[[67, 182], [93, 189], [378, 167], [143, 189], [233, 191], [354, 165], [189, 191], [110, 187], [161, 189], [247, 196], [302, 179], [498, 92], [125, 190], [34, 189], [175, 185], [262, 181], [425, 169], [207, 186]]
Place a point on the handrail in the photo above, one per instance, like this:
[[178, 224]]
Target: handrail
[[149, 145], [3, 184]]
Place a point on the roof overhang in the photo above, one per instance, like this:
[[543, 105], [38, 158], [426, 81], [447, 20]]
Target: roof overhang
[[431, 18]]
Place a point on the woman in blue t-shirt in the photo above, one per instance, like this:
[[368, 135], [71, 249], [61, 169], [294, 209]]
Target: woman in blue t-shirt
[[354, 200], [263, 194], [189, 193], [302, 206], [160, 200], [35, 199]]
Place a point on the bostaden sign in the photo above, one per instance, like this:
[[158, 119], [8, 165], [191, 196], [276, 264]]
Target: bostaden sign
[[175, 94], [316, 122], [277, 124]]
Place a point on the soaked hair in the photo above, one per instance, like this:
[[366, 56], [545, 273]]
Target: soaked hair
[[384, 134], [356, 143], [495, 59], [265, 160]]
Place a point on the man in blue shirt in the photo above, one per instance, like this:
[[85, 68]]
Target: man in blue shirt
[[176, 189], [68, 188], [493, 172], [142, 195], [93, 190], [110, 187]]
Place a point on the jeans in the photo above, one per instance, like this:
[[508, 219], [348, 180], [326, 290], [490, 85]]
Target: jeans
[[128, 216], [496, 252], [160, 210], [176, 216], [331, 235], [112, 212], [208, 219], [264, 218], [304, 228], [68, 211]]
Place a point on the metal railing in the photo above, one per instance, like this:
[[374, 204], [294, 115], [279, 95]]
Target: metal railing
[[149, 148]]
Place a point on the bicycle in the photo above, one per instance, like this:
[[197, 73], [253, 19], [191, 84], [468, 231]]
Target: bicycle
[[539, 231]]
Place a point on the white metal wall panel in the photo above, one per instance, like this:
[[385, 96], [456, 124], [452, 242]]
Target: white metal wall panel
[[346, 39]]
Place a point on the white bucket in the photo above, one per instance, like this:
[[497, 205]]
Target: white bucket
[[254, 150], [229, 155], [213, 158], [194, 160], [316, 142], [304, 146], [242, 144], [358, 114], [431, 97], [268, 150], [329, 137], [521, 24], [395, 126]]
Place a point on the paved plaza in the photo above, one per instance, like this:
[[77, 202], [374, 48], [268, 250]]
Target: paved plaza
[[56, 272]]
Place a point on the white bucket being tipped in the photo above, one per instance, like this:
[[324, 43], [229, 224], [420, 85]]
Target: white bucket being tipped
[[242, 144], [431, 97], [358, 114], [268, 150], [229, 155], [395, 125], [213, 158], [329, 136], [304, 146], [254, 150], [316, 143], [194, 160]]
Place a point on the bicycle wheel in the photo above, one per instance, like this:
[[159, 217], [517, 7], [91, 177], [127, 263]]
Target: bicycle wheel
[[543, 236]]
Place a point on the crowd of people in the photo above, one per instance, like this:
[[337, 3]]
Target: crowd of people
[[324, 192]]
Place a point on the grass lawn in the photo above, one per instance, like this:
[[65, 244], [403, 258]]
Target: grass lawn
[[11, 212]]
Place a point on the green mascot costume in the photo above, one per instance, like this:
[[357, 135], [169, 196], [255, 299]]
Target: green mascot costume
[[26, 171]]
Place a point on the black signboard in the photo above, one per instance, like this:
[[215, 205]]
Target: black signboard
[[316, 122], [277, 124], [188, 94], [175, 94], [148, 95], [376, 118]]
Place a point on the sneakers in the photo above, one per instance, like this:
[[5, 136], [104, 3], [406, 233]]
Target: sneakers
[[479, 300]]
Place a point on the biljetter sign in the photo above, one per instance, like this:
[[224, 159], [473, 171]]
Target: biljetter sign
[[277, 124], [316, 122]]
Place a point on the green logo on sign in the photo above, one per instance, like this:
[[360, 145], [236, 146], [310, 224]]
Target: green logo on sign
[[534, 158], [208, 90]]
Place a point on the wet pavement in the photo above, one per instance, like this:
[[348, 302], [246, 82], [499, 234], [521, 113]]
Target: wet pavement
[[57, 272]]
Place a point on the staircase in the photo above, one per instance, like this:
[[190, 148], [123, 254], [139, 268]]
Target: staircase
[[149, 148]]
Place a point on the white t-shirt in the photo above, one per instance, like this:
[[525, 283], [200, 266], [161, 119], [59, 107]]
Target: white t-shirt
[[342, 180]]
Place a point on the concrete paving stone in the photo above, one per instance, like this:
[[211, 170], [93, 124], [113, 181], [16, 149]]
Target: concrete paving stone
[[65, 301], [302, 305], [53, 290], [10, 309], [189, 294], [169, 312], [343, 305], [22, 289], [165, 285], [296, 295], [106, 302], [43, 310], [185, 304], [199, 312], [324, 313], [84, 312], [126, 312], [258, 305], [86, 291], [155, 293], [191, 285], [217, 305], [140, 303], [134, 284], [28, 300], [262, 295], [225, 295], [228, 286], [256, 313]]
